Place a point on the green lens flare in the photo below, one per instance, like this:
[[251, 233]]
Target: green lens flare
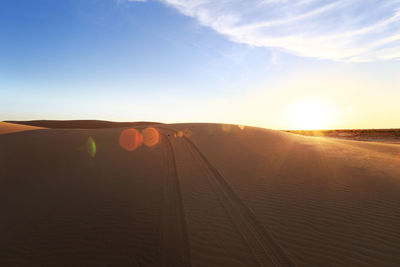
[[91, 147]]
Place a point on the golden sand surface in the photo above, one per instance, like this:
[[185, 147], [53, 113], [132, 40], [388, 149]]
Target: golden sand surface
[[199, 195]]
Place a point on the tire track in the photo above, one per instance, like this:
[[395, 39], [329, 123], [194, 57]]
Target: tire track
[[174, 240], [261, 243]]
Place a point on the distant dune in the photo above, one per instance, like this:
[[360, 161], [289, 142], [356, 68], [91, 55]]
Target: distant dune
[[81, 124], [6, 127], [196, 195]]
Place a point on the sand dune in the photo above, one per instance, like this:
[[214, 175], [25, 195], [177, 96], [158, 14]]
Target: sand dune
[[201, 195], [82, 124], [375, 135], [6, 127], [324, 201]]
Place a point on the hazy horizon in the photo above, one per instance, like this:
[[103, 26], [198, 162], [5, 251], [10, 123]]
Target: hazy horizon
[[268, 63]]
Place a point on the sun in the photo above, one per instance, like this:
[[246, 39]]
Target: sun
[[311, 114]]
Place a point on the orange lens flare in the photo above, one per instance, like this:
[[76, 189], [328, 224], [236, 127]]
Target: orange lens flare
[[187, 133], [130, 139], [151, 136]]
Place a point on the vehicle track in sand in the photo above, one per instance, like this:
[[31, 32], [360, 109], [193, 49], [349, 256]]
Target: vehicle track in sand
[[261, 243], [175, 249]]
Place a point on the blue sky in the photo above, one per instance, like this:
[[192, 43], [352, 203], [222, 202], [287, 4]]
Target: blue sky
[[248, 62]]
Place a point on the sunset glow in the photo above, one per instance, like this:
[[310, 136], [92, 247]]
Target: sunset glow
[[311, 115]]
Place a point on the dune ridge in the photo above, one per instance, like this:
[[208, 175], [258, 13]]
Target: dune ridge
[[6, 127], [82, 124]]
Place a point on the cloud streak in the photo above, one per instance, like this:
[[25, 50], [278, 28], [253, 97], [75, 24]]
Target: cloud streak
[[341, 30]]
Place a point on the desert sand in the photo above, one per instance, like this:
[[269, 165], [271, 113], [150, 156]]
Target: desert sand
[[6, 127], [374, 135], [197, 195]]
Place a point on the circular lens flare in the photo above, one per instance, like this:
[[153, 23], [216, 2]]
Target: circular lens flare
[[187, 133], [130, 139], [151, 136]]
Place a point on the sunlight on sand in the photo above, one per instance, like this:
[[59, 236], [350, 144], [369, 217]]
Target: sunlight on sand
[[130, 139], [226, 127]]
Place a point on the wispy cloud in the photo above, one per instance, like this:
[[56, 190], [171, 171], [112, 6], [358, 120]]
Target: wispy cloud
[[342, 30]]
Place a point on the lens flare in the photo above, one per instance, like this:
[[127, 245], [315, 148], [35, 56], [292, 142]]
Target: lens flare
[[241, 127], [180, 134], [151, 136], [187, 133], [130, 139], [91, 147]]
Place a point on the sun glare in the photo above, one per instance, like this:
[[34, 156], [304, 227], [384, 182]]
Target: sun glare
[[311, 114]]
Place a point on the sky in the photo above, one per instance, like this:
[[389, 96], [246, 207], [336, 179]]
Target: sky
[[280, 64]]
